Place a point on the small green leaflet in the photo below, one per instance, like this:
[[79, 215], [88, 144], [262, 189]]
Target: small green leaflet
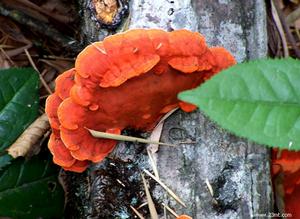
[[18, 102], [259, 100], [5, 159], [18, 105], [30, 189]]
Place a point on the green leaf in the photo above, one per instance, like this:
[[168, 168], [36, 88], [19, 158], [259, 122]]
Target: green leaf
[[259, 100], [5, 160], [18, 102], [30, 189]]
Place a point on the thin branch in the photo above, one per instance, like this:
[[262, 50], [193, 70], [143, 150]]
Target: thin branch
[[166, 188], [293, 16], [7, 57], [40, 27], [151, 205], [17, 51], [286, 28], [35, 68], [61, 18], [137, 212], [106, 135], [280, 30], [170, 210]]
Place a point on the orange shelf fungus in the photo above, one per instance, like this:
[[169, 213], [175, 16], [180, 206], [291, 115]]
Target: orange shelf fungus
[[129, 80], [287, 163], [61, 155], [184, 217]]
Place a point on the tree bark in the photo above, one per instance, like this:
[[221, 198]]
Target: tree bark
[[237, 170]]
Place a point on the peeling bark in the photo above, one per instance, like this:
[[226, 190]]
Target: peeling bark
[[238, 170]]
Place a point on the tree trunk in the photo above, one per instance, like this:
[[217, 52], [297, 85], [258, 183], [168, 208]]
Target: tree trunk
[[237, 170]]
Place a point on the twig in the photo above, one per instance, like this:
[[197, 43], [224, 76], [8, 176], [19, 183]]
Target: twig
[[31, 60], [142, 205], [153, 163], [293, 16], [5, 46], [55, 66], [8, 58], [298, 35], [165, 213], [286, 28], [280, 29], [35, 68], [151, 205], [40, 27], [166, 188], [44, 97], [98, 134], [211, 191], [44, 82], [60, 18], [170, 210], [137, 212], [209, 187], [17, 51], [58, 57]]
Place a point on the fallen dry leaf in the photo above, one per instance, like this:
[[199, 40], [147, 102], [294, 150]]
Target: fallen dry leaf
[[156, 133], [29, 137], [155, 137]]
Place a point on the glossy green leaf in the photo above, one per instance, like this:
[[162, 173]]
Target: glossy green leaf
[[5, 160], [259, 100], [30, 189], [18, 103]]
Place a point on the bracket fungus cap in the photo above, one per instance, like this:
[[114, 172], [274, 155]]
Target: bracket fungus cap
[[129, 80]]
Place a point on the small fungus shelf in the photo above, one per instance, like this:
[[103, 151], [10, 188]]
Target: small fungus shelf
[[129, 80], [286, 168]]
